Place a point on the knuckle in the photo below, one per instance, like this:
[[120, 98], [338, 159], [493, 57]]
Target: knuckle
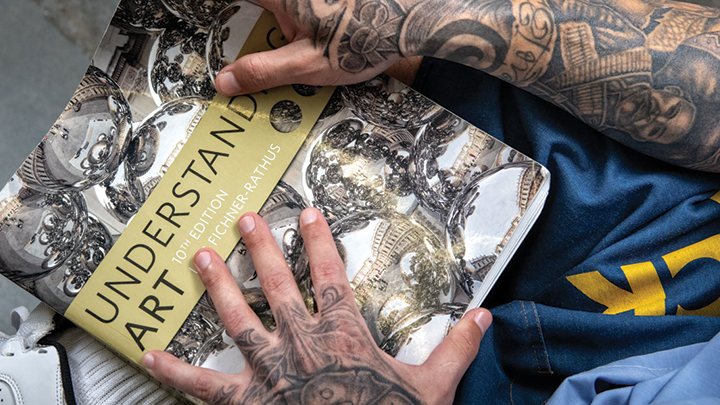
[[203, 387], [326, 270], [233, 320], [255, 72], [278, 284]]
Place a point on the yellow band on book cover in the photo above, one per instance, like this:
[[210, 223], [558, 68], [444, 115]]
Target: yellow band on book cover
[[145, 288]]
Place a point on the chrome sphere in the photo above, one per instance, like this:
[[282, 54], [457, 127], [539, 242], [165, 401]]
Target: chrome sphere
[[196, 330], [484, 216], [349, 170], [116, 198], [219, 353], [177, 65], [50, 290], [394, 265], [412, 336], [198, 13], [139, 15], [206, 308], [87, 143], [158, 141], [285, 116], [38, 232], [95, 245], [448, 153], [228, 33], [333, 106], [61, 286], [387, 102]]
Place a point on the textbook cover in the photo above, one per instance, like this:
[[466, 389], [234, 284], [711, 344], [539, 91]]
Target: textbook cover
[[147, 164]]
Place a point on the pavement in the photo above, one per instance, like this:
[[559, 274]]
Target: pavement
[[46, 47]]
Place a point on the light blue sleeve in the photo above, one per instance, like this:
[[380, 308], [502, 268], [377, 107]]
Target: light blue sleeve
[[685, 375]]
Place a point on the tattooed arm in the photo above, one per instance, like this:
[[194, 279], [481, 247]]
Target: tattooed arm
[[643, 72], [329, 358]]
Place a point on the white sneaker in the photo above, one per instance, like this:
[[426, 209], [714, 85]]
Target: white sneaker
[[30, 373]]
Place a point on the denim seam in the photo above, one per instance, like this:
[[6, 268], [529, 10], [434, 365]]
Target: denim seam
[[542, 340], [537, 347], [530, 340], [512, 401]]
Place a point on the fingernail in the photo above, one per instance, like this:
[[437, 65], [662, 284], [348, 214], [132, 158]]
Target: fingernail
[[308, 216], [483, 319], [202, 260], [226, 83], [148, 361], [246, 224]]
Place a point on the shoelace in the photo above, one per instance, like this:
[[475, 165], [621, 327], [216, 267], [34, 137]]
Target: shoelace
[[31, 327]]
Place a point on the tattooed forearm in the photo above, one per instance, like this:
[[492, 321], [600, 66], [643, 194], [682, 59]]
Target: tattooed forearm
[[641, 71], [334, 361]]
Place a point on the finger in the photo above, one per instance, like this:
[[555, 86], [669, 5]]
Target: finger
[[326, 266], [455, 353], [276, 279], [201, 383], [297, 62], [234, 311]]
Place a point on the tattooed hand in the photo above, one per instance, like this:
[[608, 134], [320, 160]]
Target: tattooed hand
[[328, 358], [332, 42], [642, 72], [347, 41]]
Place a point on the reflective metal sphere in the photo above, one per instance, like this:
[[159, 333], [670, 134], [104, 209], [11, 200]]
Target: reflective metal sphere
[[395, 267], [414, 335], [177, 65], [484, 216], [448, 153], [157, 141], [88, 141], [285, 116], [61, 286], [227, 34], [333, 106], [192, 335], [50, 290], [38, 232], [349, 169], [116, 198], [219, 353], [95, 245], [147, 15], [387, 102], [198, 13]]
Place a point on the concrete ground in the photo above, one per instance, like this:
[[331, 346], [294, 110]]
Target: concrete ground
[[45, 49]]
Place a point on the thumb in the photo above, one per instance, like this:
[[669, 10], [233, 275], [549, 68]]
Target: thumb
[[298, 62], [455, 353]]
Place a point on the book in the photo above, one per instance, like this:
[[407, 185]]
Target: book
[[147, 164]]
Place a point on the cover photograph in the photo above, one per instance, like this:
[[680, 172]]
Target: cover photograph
[[147, 164]]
